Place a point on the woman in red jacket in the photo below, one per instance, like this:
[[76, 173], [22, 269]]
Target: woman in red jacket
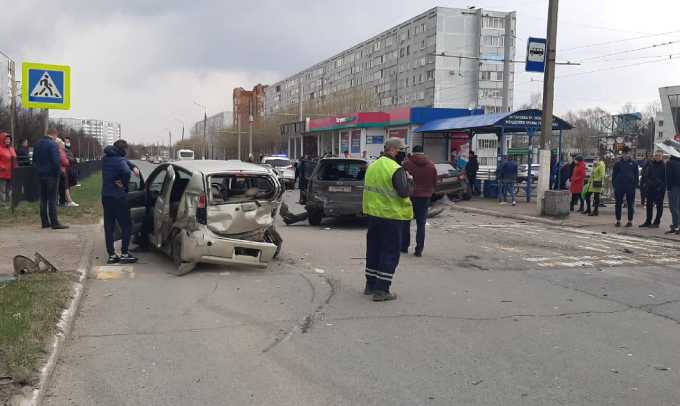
[[64, 185], [8, 160], [578, 178]]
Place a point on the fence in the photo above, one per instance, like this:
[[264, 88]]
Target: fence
[[26, 185]]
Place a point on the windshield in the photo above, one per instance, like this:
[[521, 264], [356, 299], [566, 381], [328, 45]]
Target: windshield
[[342, 170], [277, 162], [186, 154]]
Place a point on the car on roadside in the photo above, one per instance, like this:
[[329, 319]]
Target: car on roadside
[[284, 168], [335, 189], [205, 211], [451, 182], [523, 173]]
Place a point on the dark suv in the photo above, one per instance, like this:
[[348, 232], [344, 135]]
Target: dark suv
[[335, 189]]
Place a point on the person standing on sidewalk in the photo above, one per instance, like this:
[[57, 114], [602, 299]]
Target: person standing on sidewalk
[[565, 175], [425, 178], [8, 161], [673, 187], [578, 178], [48, 167], [508, 179], [23, 154], [625, 177], [116, 172], [386, 203], [655, 189], [595, 185], [471, 170]]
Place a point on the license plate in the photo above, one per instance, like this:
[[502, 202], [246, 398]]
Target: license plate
[[448, 180], [344, 189]]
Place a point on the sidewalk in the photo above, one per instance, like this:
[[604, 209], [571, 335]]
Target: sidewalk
[[63, 248], [604, 222]]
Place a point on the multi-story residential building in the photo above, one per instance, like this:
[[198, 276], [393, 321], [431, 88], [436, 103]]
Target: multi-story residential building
[[105, 132], [247, 103], [445, 57], [668, 119]]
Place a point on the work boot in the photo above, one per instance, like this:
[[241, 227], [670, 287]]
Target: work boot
[[654, 225], [113, 259], [59, 227], [587, 212], [382, 296], [368, 290], [629, 224], [645, 225], [671, 231], [418, 254], [618, 224]]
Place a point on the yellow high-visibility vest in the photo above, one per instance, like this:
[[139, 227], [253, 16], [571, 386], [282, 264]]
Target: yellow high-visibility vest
[[380, 198]]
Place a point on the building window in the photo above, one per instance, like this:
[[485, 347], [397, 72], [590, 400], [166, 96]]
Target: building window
[[376, 46], [484, 75], [660, 123], [402, 52], [493, 40], [422, 44], [430, 74], [487, 144], [499, 75], [408, 50], [494, 22], [660, 134]]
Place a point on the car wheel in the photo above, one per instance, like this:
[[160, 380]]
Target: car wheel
[[273, 236], [315, 217], [467, 196], [453, 196], [436, 197], [181, 267]]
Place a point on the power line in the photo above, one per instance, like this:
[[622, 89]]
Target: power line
[[477, 58], [669, 58], [627, 51], [597, 44]]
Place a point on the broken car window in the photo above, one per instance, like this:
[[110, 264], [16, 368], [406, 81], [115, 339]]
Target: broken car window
[[225, 189], [342, 170]]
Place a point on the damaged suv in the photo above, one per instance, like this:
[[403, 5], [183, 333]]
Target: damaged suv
[[219, 212]]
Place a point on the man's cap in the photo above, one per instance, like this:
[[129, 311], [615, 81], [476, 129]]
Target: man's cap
[[397, 143], [417, 148]]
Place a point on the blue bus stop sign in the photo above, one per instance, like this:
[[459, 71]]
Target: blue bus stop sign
[[536, 50]]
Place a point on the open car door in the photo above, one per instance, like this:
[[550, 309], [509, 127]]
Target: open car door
[[136, 199], [161, 210]]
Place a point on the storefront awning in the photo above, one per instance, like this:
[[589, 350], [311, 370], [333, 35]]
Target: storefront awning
[[517, 121]]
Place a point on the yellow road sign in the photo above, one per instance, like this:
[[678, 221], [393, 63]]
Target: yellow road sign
[[46, 86]]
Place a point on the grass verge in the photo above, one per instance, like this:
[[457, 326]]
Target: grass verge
[[88, 196], [29, 310]]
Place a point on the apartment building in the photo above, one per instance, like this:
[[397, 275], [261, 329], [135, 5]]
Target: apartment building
[[443, 58]]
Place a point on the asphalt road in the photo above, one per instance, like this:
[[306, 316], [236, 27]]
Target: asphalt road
[[497, 312]]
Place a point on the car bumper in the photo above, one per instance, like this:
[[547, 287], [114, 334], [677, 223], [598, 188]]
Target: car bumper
[[336, 209], [207, 247]]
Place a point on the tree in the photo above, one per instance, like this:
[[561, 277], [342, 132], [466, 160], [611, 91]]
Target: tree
[[535, 102]]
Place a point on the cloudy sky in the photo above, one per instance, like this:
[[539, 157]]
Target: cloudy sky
[[144, 62]]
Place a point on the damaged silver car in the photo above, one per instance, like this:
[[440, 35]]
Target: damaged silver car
[[218, 212]]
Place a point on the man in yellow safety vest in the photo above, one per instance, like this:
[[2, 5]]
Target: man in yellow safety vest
[[387, 188]]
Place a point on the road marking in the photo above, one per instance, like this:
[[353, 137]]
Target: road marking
[[111, 272]]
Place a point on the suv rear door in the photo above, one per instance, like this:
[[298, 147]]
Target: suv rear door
[[340, 181]]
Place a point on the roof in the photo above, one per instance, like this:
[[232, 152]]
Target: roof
[[217, 166], [516, 121]]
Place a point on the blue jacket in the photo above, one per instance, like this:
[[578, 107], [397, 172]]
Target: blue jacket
[[46, 158], [115, 167], [508, 171], [625, 175]]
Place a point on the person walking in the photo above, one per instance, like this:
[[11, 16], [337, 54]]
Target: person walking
[[387, 205], [594, 188], [116, 172], [499, 180], [48, 167], [625, 177], [509, 170], [654, 174], [643, 180], [565, 175], [8, 161], [578, 178], [673, 187], [471, 170], [425, 178]]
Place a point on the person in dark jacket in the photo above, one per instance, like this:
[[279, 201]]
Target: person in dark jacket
[[471, 170], [654, 187], [625, 177], [48, 168], [565, 174], [116, 172], [23, 154], [508, 178], [643, 180], [425, 177], [673, 187]]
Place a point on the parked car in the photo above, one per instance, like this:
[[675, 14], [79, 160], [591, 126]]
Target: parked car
[[450, 182], [284, 168], [204, 211], [335, 189], [523, 173]]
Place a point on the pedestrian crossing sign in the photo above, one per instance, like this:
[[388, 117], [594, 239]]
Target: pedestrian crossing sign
[[46, 86]]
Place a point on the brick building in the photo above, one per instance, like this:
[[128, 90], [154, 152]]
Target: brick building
[[247, 102]]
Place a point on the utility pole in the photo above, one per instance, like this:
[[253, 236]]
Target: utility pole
[[299, 100], [548, 95], [508, 42], [250, 129], [171, 155], [238, 132], [205, 140], [13, 103]]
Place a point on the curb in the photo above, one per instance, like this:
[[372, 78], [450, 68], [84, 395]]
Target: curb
[[65, 323]]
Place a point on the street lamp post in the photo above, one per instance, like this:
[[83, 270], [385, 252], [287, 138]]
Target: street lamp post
[[11, 70]]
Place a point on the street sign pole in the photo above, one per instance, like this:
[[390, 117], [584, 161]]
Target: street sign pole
[[548, 96]]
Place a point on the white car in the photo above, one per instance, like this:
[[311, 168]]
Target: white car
[[284, 168]]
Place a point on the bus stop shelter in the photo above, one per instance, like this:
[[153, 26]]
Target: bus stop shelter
[[517, 122]]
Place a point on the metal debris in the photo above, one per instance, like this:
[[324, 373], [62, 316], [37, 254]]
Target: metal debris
[[24, 265]]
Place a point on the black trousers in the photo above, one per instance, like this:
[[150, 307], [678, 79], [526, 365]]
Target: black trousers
[[383, 241], [629, 195], [62, 189], [420, 205], [596, 202], [48, 200], [116, 210], [655, 198], [576, 197]]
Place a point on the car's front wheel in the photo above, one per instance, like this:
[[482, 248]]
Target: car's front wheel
[[315, 217]]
